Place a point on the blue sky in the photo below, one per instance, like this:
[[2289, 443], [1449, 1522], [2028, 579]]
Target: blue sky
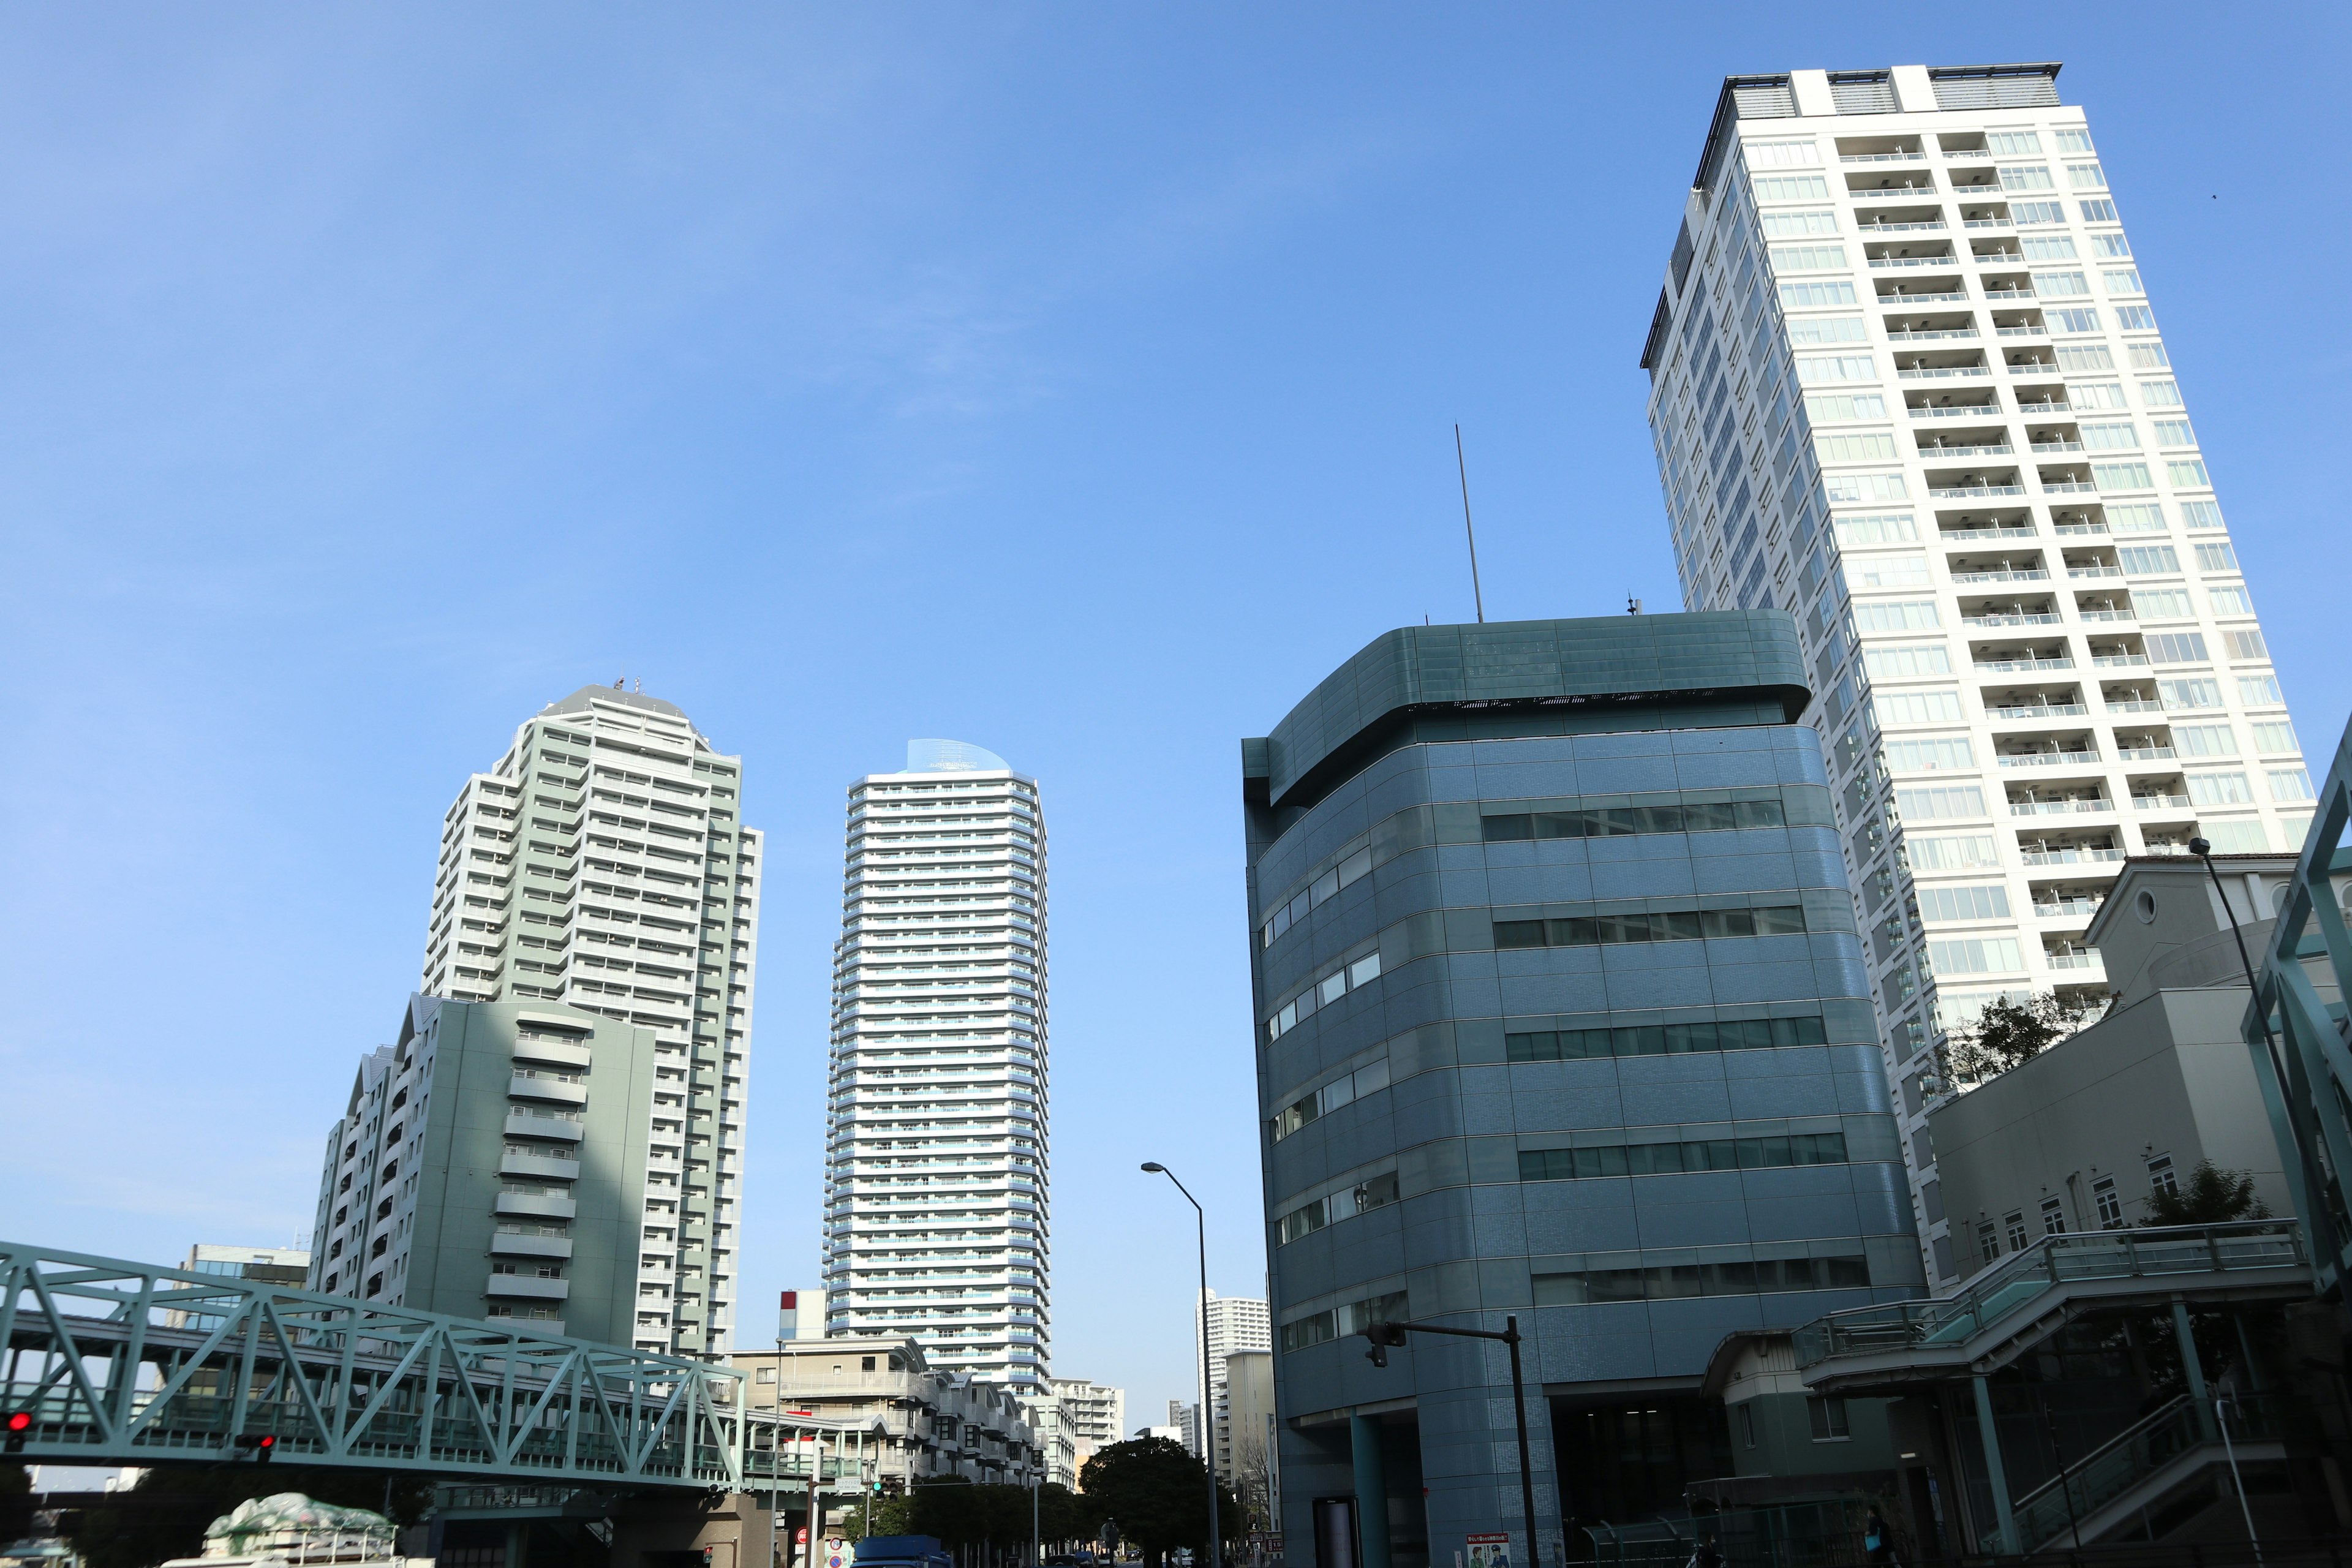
[[1076, 381]]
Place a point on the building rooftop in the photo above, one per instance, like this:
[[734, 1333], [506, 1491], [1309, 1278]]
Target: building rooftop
[[579, 701]]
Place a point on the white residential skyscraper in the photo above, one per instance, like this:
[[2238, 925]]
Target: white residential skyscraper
[[602, 862], [936, 1190], [1234, 1323], [1907, 382]]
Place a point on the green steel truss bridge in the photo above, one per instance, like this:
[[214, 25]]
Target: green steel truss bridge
[[124, 1363]]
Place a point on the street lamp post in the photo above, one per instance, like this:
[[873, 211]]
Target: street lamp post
[[1200, 1421]]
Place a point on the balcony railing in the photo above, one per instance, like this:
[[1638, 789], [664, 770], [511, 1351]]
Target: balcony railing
[[1884, 261], [2042, 446], [2084, 573], [2071, 960], [2021, 331], [1958, 411], [1987, 623], [1885, 299], [2108, 615], [1972, 492], [1898, 227], [2022, 291], [2081, 528], [2067, 487], [2145, 754], [2019, 666], [2068, 907], [2032, 367], [2053, 710], [1882, 157], [1987, 223], [1961, 536], [2059, 807], [2045, 758], [2036, 575], [1937, 332], [1936, 454], [1902, 1326], [2069, 856], [2159, 801], [2117, 660], [1943, 373], [2136, 705]]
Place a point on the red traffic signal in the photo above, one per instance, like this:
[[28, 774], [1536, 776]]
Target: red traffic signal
[[261, 1444], [19, 1422]]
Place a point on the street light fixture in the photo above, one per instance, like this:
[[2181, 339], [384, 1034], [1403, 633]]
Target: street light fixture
[[1200, 1421]]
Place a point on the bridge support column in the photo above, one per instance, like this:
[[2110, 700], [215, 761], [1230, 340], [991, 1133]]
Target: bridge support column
[[2193, 1371], [1989, 1437]]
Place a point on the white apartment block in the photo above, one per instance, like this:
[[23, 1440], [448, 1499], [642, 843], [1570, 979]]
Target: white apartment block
[[1097, 1412], [1907, 380], [602, 862], [936, 1172], [1234, 1323]]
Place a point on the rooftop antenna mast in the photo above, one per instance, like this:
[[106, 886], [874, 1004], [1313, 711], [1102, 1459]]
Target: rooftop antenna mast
[[1461, 467]]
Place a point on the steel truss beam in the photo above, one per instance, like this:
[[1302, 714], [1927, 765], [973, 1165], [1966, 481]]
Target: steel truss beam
[[125, 1364]]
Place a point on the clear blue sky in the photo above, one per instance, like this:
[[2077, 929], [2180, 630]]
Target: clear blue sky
[[1079, 381]]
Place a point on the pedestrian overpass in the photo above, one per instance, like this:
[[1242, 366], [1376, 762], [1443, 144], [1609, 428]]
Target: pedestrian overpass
[[112, 1362]]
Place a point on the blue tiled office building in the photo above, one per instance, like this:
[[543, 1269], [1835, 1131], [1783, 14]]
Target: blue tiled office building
[[1561, 1012]]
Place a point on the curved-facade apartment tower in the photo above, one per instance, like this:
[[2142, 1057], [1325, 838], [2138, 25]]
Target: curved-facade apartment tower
[[935, 1158], [1560, 1014]]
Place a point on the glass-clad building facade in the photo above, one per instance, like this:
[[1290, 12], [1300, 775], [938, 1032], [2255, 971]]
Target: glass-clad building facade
[[1560, 1014]]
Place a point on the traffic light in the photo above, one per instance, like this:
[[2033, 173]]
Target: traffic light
[[19, 1422], [1382, 1337], [260, 1444]]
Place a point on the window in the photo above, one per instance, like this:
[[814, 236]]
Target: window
[[1673, 1281], [1953, 800], [2161, 604], [2111, 1207], [1802, 295], [2220, 789], [1861, 573], [1663, 1040], [2050, 247], [2142, 559], [1808, 257], [766, 1374], [2160, 1178], [1850, 489], [2230, 599], [2247, 644], [1657, 925], [2176, 648], [1837, 407], [2086, 176], [1792, 188], [1978, 903], [2061, 285], [2186, 473], [1917, 708], [2216, 557], [2053, 1218], [2097, 395], [1872, 448], [2192, 693], [2110, 245], [2086, 356], [1772, 1152], [2023, 213], [1617, 822], [2012, 143], [1878, 528], [2204, 740], [2113, 435], [2136, 517], [1902, 663], [2123, 280], [2275, 735], [2074, 140], [2080, 319], [2013, 1223], [1896, 616], [1967, 853], [1838, 367], [2163, 393], [2027, 178], [1780, 154], [2174, 432], [1747, 1424], [1975, 955], [1827, 1413], [2100, 211], [1789, 226], [2291, 784]]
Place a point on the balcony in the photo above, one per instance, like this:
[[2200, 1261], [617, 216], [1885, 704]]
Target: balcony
[[2159, 802], [560, 1053], [2117, 660], [1884, 262], [507, 1243], [536, 1205], [1942, 371], [2047, 759], [2009, 290], [2087, 807], [1987, 223], [2071, 856], [2107, 614], [1933, 223], [1955, 411], [1934, 452], [526, 1286], [2045, 448], [2066, 487], [1946, 297], [2021, 331], [545, 1124], [1931, 335], [2046, 710], [546, 1086], [543, 1167], [1966, 536], [2021, 666], [2092, 572], [2136, 705], [1988, 622], [2145, 754], [2071, 960], [2072, 907], [2028, 574], [2078, 528], [1914, 156], [1969, 493]]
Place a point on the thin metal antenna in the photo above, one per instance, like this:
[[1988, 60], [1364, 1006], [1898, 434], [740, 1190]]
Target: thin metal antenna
[[1477, 597]]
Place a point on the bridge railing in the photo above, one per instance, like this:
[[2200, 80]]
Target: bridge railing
[[123, 1363]]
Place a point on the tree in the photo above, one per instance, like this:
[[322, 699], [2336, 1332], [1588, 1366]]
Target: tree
[[2214, 1195], [2007, 1032], [1155, 1491], [1253, 1479]]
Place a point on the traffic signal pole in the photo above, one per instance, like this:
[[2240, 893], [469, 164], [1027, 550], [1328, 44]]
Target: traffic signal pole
[[1384, 1335]]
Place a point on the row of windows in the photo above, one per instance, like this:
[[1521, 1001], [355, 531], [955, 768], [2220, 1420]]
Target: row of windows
[[1326, 885], [1339, 1092], [1353, 1319], [1330, 988], [1377, 1191], [1769, 1152], [1613, 822], [1658, 925], [1663, 1039], [1680, 1281]]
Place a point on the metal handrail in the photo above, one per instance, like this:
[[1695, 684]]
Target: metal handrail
[[2044, 1267], [2128, 1458]]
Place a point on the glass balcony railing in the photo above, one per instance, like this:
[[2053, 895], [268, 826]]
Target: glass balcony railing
[[2045, 1514]]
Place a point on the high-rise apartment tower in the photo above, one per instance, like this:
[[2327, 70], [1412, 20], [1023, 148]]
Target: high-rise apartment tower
[[1236, 1323], [602, 862], [1907, 382], [935, 1223]]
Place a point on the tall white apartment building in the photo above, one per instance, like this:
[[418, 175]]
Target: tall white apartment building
[[1234, 1323], [936, 1171], [602, 862], [1907, 383], [1097, 1412]]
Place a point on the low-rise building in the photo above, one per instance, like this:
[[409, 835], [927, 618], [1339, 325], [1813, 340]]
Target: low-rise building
[[1247, 1435], [921, 1421], [2081, 1136]]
